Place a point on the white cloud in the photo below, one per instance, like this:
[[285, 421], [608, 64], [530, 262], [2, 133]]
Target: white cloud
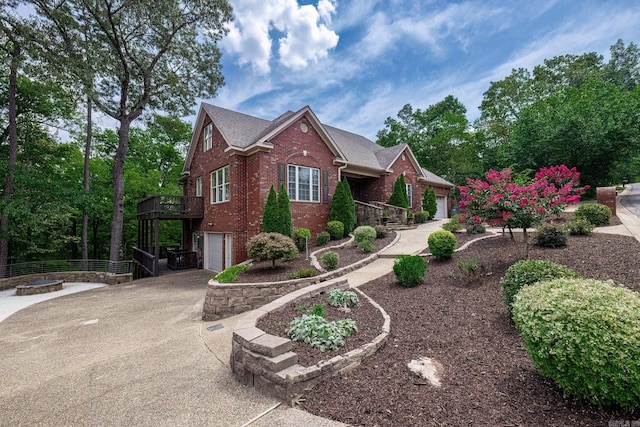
[[305, 35]]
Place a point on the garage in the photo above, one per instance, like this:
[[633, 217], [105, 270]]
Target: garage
[[441, 202]]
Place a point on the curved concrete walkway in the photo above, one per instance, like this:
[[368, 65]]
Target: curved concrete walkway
[[138, 354]]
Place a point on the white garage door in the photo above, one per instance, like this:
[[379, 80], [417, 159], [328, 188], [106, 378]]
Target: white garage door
[[214, 255], [442, 207]]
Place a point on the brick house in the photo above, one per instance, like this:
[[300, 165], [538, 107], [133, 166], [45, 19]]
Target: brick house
[[233, 159]]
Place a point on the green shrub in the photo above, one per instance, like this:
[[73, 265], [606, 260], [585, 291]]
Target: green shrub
[[585, 336], [579, 227], [339, 298], [318, 332], [364, 232], [421, 217], [399, 195], [343, 207], [381, 231], [429, 202], [550, 236], [271, 246], [527, 272], [475, 228], [335, 229], [300, 237], [409, 270], [322, 238], [595, 213], [303, 272], [318, 310], [366, 246], [453, 225], [230, 274], [330, 260], [284, 209], [271, 221], [442, 244]]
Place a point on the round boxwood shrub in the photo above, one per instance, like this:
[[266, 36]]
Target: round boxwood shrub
[[409, 270], [364, 232], [442, 244], [366, 246], [322, 238], [585, 335], [335, 229], [579, 227], [550, 236], [421, 217], [330, 260], [595, 213], [300, 237], [527, 272]]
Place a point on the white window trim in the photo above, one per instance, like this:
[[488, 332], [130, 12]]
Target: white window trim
[[410, 195], [208, 137], [199, 186], [217, 185], [295, 196]]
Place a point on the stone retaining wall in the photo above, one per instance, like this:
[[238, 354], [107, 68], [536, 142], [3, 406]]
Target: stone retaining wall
[[267, 363], [68, 276]]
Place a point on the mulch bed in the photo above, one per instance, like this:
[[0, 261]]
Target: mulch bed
[[488, 378], [262, 271]]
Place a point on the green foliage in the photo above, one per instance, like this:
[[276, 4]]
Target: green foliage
[[469, 270], [271, 222], [284, 212], [322, 238], [381, 231], [550, 236], [318, 310], [453, 225], [304, 272], [429, 202], [363, 233], [300, 237], [595, 213], [527, 272], [585, 336], [230, 274], [366, 246], [271, 246], [330, 260], [340, 298], [409, 270], [579, 227], [343, 207], [421, 217], [474, 228], [442, 244], [335, 229], [318, 332], [399, 196]]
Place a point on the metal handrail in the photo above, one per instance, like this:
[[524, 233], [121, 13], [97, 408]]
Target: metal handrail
[[54, 266]]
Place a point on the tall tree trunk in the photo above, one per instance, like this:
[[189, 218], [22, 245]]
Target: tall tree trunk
[[118, 189], [13, 157], [87, 157]]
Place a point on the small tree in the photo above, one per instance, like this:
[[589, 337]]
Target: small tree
[[271, 221], [286, 220], [271, 246], [343, 207], [429, 202], [399, 196], [501, 202]]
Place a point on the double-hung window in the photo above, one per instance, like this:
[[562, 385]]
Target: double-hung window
[[220, 185], [304, 184], [410, 195], [208, 137]]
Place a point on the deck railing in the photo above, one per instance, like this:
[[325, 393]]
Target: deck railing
[[171, 207], [181, 259], [55, 266], [146, 262]]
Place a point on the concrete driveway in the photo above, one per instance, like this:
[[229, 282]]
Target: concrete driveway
[[135, 354]]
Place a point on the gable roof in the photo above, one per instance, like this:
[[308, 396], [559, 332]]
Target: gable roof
[[244, 134]]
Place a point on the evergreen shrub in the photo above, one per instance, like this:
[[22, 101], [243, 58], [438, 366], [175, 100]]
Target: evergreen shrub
[[366, 246], [330, 260], [300, 237], [595, 213], [474, 228], [550, 236], [409, 270], [442, 244], [421, 217], [399, 196], [335, 229], [579, 227], [343, 207], [429, 202], [527, 272], [381, 231], [284, 209], [364, 232], [322, 238], [584, 335], [453, 225]]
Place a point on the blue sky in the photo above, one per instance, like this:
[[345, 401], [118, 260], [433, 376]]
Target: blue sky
[[357, 62]]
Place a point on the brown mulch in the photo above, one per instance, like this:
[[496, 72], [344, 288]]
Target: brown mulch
[[263, 271], [488, 378]]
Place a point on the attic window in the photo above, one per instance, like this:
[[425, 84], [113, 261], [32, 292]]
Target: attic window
[[304, 128], [208, 137]]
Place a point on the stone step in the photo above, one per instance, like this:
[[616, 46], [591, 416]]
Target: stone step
[[280, 362], [270, 345]]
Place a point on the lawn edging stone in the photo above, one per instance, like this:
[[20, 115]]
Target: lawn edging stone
[[267, 363]]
